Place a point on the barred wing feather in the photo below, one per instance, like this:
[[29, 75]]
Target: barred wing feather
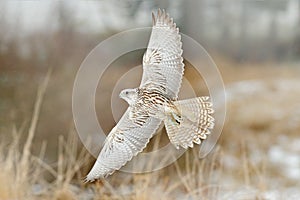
[[124, 141], [162, 62]]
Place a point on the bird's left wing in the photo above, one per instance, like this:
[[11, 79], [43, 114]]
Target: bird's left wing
[[124, 141], [162, 62]]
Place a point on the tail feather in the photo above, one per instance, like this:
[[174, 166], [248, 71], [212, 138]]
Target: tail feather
[[193, 123]]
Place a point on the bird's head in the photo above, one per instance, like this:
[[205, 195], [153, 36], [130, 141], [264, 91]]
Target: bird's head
[[129, 95]]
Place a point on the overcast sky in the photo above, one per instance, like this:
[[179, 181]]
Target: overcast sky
[[34, 15], [94, 15]]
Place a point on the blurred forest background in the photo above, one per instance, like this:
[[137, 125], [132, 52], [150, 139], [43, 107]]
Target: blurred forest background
[[255, 44]]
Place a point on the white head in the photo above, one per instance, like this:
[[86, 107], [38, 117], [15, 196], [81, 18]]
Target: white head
[[129, 95]]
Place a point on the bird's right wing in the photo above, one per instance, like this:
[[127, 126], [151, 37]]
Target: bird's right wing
[[163, 62], [124, 141]]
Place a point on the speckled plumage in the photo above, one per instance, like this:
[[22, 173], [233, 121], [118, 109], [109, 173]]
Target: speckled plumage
[[155, 100]]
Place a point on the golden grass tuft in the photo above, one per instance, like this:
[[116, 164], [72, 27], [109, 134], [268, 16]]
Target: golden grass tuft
[[21, 171], [238, 168], [16, 165], [64, 194]]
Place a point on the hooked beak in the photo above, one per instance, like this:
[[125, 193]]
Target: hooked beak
[[121, 95]]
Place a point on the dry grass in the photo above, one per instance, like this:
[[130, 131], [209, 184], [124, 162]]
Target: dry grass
[[240, 167], [188, 178], [16, 165], [21, 171]]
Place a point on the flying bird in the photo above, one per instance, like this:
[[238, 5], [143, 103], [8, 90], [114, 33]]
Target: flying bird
[[155, 100]]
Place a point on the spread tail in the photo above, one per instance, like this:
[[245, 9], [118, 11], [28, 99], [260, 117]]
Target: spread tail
[[192, 123]]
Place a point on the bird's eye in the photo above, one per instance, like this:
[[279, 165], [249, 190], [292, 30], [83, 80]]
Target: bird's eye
[[126, 92]]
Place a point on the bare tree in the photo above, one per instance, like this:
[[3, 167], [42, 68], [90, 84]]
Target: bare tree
[[243, 26], [193, 22], [62, 40], [222, 17], [297, 35]]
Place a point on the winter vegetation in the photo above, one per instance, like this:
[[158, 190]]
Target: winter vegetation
[[255, 45]]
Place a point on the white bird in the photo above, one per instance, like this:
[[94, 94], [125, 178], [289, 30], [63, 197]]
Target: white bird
[[155, 100]]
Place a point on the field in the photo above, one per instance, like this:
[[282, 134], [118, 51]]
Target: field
[[256, 157]]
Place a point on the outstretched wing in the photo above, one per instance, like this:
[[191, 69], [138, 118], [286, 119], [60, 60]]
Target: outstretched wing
[[124, 141], [162, 62]]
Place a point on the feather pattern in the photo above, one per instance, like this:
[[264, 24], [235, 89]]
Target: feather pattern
[[187, 121], [124, 141], [162, 62], [194, 123]]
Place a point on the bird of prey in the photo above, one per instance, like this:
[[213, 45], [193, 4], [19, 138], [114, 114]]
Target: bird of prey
[[155, 100]]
